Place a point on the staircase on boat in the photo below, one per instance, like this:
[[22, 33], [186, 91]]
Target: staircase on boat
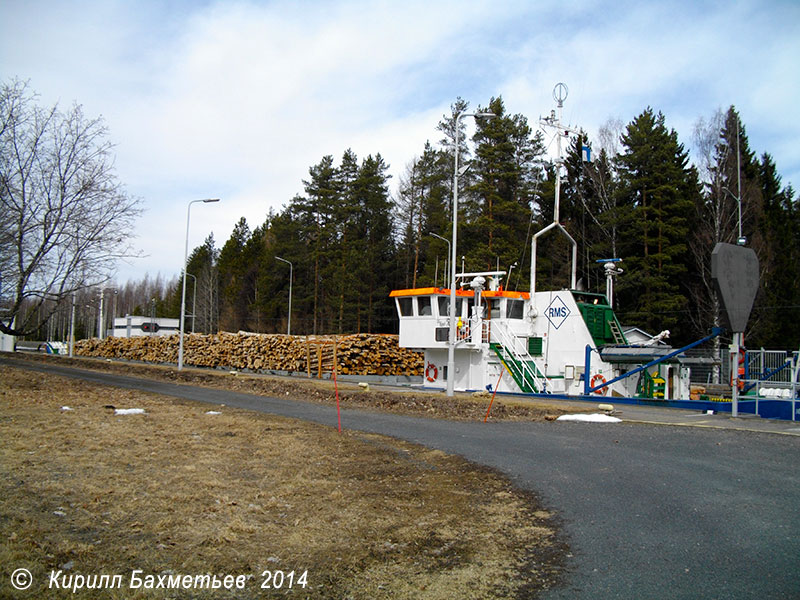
[[519, 363]]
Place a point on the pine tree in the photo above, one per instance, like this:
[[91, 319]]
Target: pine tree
[[252, 261], [422, 208], [658, 189], [778, 304], [729, 175], [349, 244], [282, 235], [410, 204], [589, 203], [232, 268], [317, 211], [502, 183], [375, 271], [578, 211], [202, 264]]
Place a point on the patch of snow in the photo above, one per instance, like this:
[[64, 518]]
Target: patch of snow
[[65, 408], [213, 412], [129, 411], [594, 418]]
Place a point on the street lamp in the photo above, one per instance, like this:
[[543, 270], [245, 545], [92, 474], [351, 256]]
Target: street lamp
[[451, 345], [185, 261], [194, 300], [100, 323], [72, 328], [291, 271], [511, 268]]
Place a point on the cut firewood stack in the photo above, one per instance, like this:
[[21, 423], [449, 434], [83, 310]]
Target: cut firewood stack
[[357, 354]]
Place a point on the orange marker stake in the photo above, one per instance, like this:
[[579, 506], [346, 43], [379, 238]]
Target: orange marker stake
[[493, 395]]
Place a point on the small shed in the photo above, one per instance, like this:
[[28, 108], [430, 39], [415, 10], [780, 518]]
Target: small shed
[[639, 337]]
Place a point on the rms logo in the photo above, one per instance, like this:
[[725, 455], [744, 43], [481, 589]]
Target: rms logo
[[557, 312]]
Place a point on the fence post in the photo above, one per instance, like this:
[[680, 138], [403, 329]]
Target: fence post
[[308, 358]]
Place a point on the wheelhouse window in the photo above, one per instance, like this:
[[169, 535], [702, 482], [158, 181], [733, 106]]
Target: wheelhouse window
[[444, 306], [406, 306], [494, 308], [514, 309], [424, 306]]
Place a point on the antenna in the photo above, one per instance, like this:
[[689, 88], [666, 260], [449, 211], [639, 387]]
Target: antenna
[[560, 92]]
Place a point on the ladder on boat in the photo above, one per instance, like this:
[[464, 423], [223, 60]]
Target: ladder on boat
[[519, 364], [616, 332]]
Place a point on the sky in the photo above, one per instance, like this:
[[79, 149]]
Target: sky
[[237, 99]]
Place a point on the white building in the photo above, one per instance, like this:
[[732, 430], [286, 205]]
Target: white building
[[130, 326], [7, 342]]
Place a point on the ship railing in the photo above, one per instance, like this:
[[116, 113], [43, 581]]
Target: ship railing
[[770, 365], [772, 375], [522, 358]]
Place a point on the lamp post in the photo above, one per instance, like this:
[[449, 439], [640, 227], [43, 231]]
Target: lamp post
[[114, 314], [291, 275], [72, 328], [100, 323], [194, 300], [511, 268], [186, 260], [451, 341]]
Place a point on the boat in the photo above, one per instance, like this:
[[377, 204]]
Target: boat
[[566, 343]]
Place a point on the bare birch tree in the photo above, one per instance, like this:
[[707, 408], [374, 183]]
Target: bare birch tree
[[65, 218]]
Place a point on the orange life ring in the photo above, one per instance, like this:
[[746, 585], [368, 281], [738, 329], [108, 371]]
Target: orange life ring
[[599, 378], [429, 368]]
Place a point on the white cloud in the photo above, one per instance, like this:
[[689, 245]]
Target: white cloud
[[239, 99]]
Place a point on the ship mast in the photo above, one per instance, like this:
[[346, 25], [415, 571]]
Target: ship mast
[[560, 92]]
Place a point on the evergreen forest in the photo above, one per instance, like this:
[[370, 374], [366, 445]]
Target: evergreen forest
[[641, 198]]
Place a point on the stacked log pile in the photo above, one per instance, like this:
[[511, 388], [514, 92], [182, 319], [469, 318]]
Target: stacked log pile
[[358, 354], [363, 354]]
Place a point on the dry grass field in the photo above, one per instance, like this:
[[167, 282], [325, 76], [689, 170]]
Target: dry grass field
[[179, 491], [406, 401]]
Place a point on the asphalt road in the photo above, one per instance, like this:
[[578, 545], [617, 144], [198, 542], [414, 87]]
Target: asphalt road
[[650, 511]]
